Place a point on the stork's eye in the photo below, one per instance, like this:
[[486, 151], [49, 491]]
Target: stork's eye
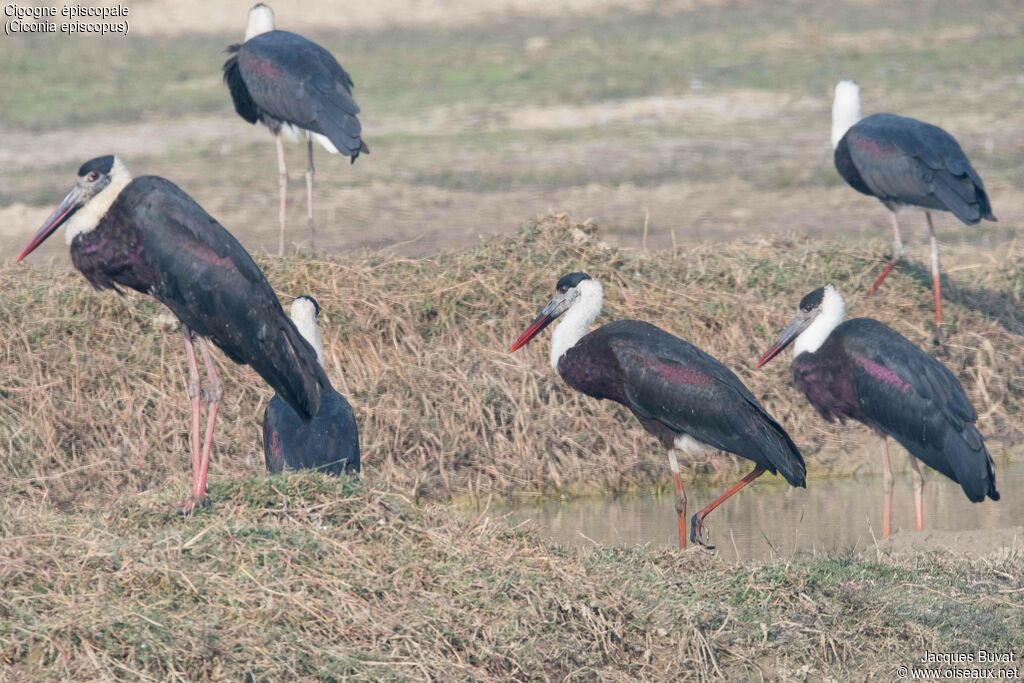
[[93, 175]]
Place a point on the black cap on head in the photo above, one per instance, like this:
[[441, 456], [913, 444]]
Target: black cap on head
[[101, 165], [316, 304], [812, 300], [570, 280]]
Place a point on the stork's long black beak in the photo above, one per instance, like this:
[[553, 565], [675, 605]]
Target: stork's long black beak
[[72, 202], [547, 315], [792, 331]]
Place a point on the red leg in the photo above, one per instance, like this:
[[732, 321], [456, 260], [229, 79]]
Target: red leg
[[936, 278], [897, 254], [697, 523], [673, 465], [881, 278], [887, 482]]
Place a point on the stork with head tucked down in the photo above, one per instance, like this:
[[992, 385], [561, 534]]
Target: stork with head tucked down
[[865, 371], [146, 234], [329, 442], [687, 399], [903, 163], [293, 86]]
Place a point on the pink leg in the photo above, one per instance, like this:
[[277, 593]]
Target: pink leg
[[309, 195], [193, 393], [918, 494], [282, 183], [677, 478], [936, 279], [213, 394], [887, 482]]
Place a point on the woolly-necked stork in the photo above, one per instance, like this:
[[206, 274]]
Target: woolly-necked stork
[[146, 234], [327, 443], [687, 399], [904, 162], [293, 86], [865, 371]]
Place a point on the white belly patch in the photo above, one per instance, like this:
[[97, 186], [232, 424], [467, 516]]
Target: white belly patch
[[690, 447]]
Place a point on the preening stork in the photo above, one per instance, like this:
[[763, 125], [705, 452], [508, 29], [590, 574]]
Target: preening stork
[[327, 443], [146, 234], [684, 397], [904, 162], [865, 371], [293, 86]]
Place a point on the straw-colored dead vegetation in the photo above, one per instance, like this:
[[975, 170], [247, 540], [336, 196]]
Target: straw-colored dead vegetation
[[92, 402], [308, 578]]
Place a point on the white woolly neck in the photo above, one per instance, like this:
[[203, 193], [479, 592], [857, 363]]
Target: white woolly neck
[[303, 314], [845, 110], [831, 314], [577, 320], [89, 216], [261, 20]]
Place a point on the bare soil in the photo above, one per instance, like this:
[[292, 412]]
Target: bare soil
[[172, 17]]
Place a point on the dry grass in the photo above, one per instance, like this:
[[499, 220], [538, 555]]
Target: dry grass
[[309, 578], [92, 402]]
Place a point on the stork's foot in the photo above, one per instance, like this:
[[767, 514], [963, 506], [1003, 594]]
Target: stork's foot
[[881, 278], [697, 532], [189, 506], [937, 339]]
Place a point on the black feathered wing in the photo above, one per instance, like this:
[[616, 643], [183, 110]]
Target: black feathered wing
[[206, 277], [904, 392], [906, 161], [297, 81], [273, 424], [240, 97], [689, 391], [328, 443]]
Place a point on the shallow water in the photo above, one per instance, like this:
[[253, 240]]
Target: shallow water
[[769, 518]]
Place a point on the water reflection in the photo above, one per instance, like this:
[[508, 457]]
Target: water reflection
[[769, 519]]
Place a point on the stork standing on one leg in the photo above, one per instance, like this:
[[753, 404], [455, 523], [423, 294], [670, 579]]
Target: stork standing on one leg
[[293, 86], [863, 370], [327, 443], [146, 234], [681, 395], [904, 162]]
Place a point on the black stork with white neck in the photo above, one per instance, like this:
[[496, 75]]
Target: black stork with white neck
[[904, 163], [146, 234], [329, 442], [863, 370], [293, 86], [687, 399]]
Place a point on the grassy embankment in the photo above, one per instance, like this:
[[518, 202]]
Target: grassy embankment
[[305, 578], [92, 402]]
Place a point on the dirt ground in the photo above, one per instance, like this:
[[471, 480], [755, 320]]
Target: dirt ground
[[683, 122], [172, 17], [388, 200]]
